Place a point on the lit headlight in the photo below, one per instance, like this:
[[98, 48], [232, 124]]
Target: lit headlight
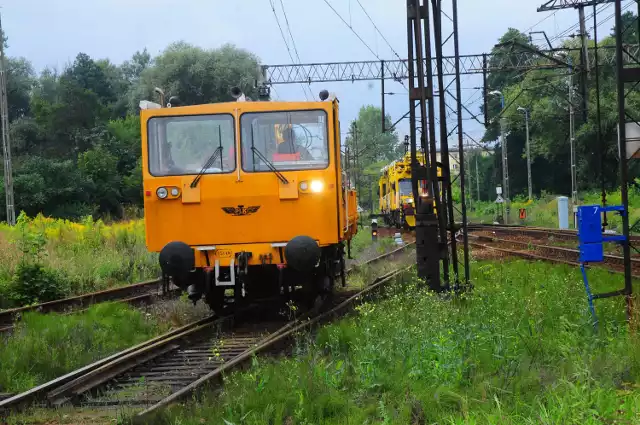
[[162, 192], [317, 186]]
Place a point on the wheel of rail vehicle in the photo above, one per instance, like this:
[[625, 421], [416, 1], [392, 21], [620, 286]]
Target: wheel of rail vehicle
[[215, 299], [322, 295]]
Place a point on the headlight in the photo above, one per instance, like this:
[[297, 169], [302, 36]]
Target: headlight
[[304, 186], [175, 191], [317, 186], [162, 192]]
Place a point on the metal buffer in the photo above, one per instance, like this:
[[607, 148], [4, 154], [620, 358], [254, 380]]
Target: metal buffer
[[591, 244]]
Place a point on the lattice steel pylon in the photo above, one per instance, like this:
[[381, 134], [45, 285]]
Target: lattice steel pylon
[[395, 69], [567, 4], [627, 81], [6, 142], [436, 243]]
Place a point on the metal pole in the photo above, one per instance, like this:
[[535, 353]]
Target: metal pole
[[429, 250], [484, 92], [412, 114], [505, 169], [477, 177], [574, 191], [6, 141], [465, 237], [599, 116], [356, 154], [622, 147], [382, 90], [584, 57], [526, 116], [447, 196]]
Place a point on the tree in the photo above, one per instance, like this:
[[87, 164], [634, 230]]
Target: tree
[[630, 28], [54, 188], [133, 68], [20, 82], [501, 79], [99, 167], [368, 145], [197, 75]]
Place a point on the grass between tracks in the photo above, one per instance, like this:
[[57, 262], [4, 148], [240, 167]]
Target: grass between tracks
[[519, 349], [46, 346]]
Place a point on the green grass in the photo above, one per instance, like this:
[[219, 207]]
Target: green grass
[[44, 347], [543, 211], [361, 241], [519, 349]]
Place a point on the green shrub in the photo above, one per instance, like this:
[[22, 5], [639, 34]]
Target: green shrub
[[34, 283]]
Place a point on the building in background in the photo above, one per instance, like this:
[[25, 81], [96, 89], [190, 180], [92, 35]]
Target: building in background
[[454, 162]]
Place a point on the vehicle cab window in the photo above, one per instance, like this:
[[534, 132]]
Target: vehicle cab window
[[183, 145], [290, 140]]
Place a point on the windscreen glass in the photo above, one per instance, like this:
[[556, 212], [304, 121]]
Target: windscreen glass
[[292, 140], [184, 145], [405, 187]]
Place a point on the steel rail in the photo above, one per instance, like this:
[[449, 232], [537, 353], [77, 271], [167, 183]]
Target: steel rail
[[21, 399], [8, 317], [553, 253], [565, 234]]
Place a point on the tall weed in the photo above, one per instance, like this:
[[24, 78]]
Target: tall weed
[[43, 258]]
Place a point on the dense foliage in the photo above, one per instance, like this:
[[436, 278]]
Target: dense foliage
[[369, 149], [76, 133], [545, 93]]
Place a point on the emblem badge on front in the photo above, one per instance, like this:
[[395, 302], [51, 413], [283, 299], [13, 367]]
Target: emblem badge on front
[[240, 210]]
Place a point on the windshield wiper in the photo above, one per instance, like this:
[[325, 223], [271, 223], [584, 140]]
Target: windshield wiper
[[217, 153], [272, 167]]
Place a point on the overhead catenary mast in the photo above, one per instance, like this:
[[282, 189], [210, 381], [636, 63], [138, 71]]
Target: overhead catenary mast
[[6, 143]]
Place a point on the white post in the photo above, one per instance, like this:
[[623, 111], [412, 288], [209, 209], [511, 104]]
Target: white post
[[563, 212]]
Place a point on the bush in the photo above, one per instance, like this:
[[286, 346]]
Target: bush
[[35, 283]]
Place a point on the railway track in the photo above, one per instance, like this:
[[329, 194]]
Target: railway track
[[170, 367], [536, 251], [537, 232], [139, 293]]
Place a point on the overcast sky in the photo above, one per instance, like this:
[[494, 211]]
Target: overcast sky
[[51, 32]]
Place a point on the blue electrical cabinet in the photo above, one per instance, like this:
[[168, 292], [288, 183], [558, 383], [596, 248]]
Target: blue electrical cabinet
[[590, 237]]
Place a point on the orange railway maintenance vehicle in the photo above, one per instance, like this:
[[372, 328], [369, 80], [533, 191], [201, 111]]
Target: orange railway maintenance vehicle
[[246, 199]]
